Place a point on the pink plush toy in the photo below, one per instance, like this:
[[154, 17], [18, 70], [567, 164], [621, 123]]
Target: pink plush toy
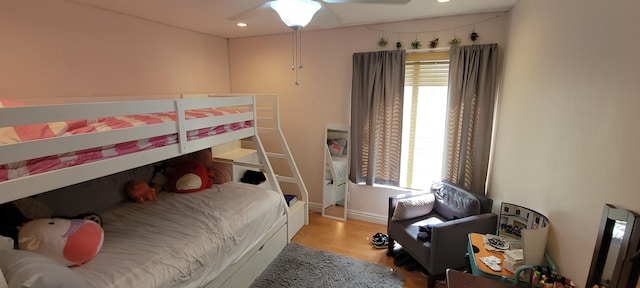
[[69, 242]]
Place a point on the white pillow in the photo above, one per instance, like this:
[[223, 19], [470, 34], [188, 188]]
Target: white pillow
[[414, 207], [23, 268]]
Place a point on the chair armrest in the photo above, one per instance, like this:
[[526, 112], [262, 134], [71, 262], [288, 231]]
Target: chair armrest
[[449, 240], [394, 199]]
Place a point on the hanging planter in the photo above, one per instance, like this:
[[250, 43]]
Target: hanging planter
[[474, 36], [433, 43], [455, 41], [382, 42], [416, 44]]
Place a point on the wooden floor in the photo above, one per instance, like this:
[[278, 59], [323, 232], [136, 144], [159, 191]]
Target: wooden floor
[[353, 238]]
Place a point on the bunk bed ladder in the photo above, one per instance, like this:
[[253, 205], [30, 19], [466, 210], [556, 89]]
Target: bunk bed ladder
[[275, 158], [278, 154]]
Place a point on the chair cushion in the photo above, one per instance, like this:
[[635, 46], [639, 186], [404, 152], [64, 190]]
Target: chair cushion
[[414, 207], [486, 203], [405, 232], [453, 203]]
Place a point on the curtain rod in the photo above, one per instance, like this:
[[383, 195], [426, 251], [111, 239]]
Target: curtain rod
[[442, 49]]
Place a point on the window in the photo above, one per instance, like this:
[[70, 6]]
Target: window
[[423, 126]]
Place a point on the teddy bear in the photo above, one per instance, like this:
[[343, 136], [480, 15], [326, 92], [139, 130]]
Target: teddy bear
[[71, 242], [140, 191], [190, 176]]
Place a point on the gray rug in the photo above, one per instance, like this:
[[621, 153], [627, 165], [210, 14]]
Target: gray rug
[[300, 266]]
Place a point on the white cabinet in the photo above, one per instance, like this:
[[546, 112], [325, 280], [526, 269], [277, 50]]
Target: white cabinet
[[234, 161]]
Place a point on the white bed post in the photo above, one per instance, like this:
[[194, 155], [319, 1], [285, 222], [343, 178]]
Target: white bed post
[[182, 131], [266, 164]]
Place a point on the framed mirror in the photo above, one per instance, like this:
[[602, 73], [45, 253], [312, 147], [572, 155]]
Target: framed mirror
[[336, 172], [615, 261]]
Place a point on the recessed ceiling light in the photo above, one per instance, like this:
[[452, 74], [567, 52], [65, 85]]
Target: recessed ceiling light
[[442, 1], [242, 24]]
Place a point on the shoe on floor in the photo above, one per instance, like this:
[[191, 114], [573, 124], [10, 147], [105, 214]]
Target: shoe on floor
[[402, 258], [396, 249], [380, 244], [400, 253], [411, 265], [378, 237], [380, 241]]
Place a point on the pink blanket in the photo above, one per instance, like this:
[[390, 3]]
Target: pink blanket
[[9, 135]]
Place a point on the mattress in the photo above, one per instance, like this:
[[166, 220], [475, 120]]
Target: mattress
[[181, 239], [10, 135]]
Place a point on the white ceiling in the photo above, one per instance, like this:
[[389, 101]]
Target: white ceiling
[[219, 17]]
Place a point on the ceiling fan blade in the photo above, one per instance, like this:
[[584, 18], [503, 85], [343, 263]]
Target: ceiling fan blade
[[325, 18], [247, 13], [390, 2]]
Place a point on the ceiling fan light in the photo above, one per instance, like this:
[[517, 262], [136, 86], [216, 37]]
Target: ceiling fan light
[[295, 13]]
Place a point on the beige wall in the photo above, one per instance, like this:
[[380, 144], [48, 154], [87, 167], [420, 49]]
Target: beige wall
[[56, 48], [565, 126], [262, 64], [567, 135]]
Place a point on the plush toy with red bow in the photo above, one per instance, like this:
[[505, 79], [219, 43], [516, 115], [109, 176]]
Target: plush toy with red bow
[[190, 176]]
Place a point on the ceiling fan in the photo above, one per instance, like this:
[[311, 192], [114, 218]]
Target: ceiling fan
[[399, 2], [298, 13], [325, 16]]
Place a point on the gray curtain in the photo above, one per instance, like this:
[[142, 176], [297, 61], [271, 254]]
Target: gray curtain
[[472, 93], [376, 117]]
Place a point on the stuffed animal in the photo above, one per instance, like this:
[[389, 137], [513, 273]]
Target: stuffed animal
[[69, 242], [140, 191], [87, 216], [189, 176], [15, 214]]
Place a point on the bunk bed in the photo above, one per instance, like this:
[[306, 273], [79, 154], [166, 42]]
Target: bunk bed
[[223, 236]]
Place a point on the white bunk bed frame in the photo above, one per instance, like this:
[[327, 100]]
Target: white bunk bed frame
[[242, 272]]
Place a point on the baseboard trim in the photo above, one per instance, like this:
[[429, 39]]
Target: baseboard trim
[[315, 207], [366, 216], [354, 214]]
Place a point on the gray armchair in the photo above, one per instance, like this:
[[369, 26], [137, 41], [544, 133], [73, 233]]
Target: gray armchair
[[458, 213]]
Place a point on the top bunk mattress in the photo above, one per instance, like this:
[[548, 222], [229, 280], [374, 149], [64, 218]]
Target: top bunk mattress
[[181, 240], [43, 131]]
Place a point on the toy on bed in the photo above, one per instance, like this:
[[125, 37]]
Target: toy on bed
[[69, 242], [17, 213], [140, 191], [189, 176], [204, 156]]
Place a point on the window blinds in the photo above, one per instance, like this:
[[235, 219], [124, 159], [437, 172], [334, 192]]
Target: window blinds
[[421, 70], [427, 69]]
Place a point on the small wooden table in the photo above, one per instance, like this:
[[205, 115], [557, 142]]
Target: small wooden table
[[457, 279], [479, 268]]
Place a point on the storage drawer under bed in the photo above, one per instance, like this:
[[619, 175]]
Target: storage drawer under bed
[[249, 268]]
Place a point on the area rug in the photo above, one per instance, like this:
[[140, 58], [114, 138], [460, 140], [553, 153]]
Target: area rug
[[300, 266]]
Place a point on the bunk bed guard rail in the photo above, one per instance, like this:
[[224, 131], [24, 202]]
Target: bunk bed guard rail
[[186, 115]]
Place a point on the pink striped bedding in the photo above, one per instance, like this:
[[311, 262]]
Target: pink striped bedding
[[9, 135]]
